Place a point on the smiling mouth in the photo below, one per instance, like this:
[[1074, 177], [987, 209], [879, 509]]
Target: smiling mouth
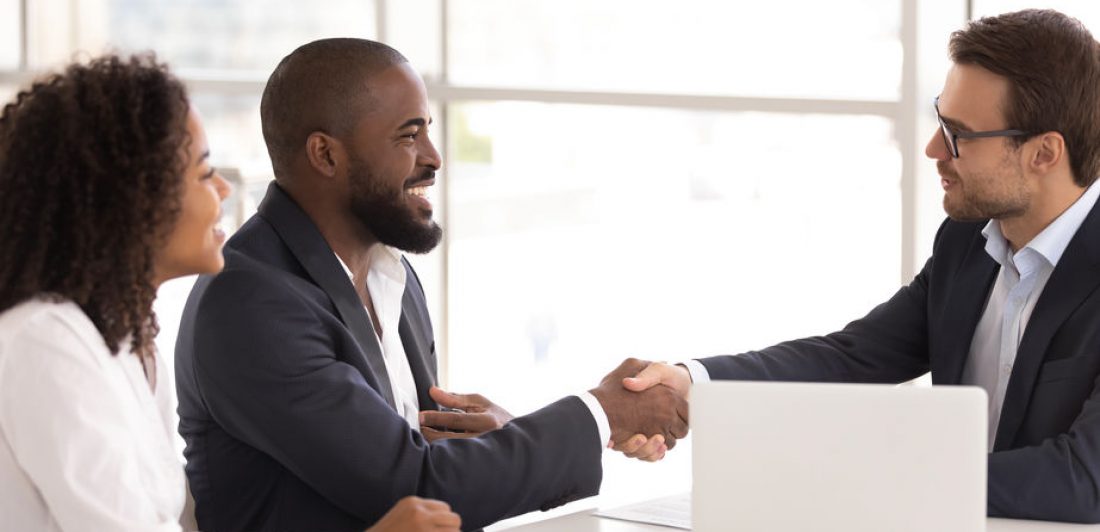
[[417, 194]]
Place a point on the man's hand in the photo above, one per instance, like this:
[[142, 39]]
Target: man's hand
[[675, 377], [418, 515], [658, 410], [678, 378], [650, 449], [478, 415]]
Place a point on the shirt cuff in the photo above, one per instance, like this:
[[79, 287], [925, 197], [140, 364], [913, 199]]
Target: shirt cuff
[[697, 371], [602, 426]]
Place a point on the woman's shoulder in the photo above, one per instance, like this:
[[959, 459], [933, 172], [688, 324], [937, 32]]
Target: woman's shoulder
[[43, 310], [46, 322]]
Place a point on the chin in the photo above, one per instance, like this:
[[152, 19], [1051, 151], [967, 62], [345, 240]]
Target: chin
[[212, 263]]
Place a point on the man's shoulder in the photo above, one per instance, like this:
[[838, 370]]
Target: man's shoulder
[[960, 231], [259, 270], [959, 239]]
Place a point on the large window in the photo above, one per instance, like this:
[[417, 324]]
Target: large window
[[581, 235], [621, 178], [11, 35], [234, 36], [742, 48]]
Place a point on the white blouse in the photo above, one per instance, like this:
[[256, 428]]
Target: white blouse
[[84, 443]]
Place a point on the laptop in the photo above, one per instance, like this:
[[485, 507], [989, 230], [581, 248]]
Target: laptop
[[797, 457]]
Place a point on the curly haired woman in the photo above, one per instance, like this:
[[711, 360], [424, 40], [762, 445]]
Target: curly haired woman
[[106, 191]]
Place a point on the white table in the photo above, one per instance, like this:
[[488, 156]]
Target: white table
[[631, 481], [584, 521]]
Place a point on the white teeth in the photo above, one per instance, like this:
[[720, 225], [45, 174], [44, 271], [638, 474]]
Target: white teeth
[[418, 191]]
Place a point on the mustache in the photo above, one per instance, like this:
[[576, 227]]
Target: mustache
[[946, 171], [426, 175]]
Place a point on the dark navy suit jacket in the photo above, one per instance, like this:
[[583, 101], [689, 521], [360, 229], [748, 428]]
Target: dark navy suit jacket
[[286, 407], [1046, 458]]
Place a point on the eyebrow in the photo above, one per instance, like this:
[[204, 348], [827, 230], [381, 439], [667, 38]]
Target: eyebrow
[[955, 124], [418, 122], [205, 155]]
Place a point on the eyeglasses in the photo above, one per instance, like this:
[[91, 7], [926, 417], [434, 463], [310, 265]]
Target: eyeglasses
[[951, 137]]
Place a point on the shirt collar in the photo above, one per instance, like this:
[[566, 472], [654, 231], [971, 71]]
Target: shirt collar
[[1052, 241], [384, 260]]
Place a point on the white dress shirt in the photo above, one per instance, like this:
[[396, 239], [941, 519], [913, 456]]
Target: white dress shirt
[[386, 285], [386, 279], [84, 443], [1020, 282]]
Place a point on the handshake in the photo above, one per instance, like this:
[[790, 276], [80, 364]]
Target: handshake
[[645, 402], [646, 406]]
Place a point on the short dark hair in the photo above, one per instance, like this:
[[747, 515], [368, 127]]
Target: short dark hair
[[1052, 64], [321, 86], [91, 166]]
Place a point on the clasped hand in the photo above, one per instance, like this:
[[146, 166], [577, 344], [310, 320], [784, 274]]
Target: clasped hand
[[642, 398], [471, 415], [645, 402]]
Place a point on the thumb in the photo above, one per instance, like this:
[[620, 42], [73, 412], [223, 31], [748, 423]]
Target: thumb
[[646, 379], [445, 398]]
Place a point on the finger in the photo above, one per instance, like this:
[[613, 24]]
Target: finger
[[683, 411], [657, 455], [458, 421], [679, 426], [636, 444], [662, 455], [629, 368], [646, 379], [448, 399], [435, 505], [651, 447], [447, 520], [632, 445], [409, 500], [433, 435]]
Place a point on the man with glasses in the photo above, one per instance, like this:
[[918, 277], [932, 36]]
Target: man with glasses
[[1010, 299]]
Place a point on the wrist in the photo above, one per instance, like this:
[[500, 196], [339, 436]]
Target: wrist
[[684, 372]]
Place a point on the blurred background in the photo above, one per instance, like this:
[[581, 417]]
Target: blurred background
[[621, 177]]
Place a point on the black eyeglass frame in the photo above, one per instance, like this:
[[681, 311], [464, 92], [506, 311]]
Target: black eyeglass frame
[[951, 137]]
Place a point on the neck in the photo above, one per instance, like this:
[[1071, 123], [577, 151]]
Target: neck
[[351, 241], [352, 250], [1020, 230]]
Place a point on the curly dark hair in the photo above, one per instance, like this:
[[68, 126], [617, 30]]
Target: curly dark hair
[[91, 163]]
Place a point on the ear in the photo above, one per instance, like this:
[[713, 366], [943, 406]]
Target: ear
[[1049, 153], [324, 152]]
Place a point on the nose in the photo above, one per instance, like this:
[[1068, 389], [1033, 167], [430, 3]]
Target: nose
[[936, 147], [428, 155], [223, 186]]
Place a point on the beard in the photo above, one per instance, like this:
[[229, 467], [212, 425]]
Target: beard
[[985, 196], [385, 214]]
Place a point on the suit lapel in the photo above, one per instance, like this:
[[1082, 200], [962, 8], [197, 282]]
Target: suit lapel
[[418, 355], [970, 290], [1073, 279], [419, 345], [310, 248]]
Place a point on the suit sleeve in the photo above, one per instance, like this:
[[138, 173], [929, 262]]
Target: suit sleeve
[[889, 344], [271, 376], [1058, 479]]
